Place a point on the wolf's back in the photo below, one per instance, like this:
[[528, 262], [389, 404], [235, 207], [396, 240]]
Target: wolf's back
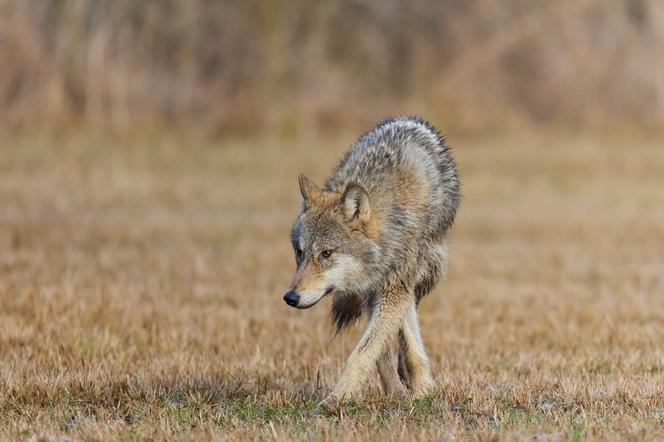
[[412, 181], [399, 143]]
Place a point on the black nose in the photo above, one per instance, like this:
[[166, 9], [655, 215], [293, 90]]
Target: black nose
[[292, 298]]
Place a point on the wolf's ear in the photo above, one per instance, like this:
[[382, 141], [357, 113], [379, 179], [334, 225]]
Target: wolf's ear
[[309, 190], [355, 202]]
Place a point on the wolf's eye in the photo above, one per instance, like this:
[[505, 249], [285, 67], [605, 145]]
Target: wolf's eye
[[326, 254]]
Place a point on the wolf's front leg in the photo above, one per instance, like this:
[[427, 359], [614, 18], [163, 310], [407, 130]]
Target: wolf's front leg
[[386, 318]]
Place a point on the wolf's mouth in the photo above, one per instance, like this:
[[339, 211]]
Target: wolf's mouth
[[301, 306], [327, 292]]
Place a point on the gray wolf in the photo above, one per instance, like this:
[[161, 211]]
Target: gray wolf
[[375, 237]]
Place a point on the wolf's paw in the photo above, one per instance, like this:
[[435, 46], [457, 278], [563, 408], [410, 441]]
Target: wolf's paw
[[398, 390], [423, 388]]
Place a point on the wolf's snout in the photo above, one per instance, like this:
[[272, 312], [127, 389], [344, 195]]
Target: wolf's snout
[[292, 298]]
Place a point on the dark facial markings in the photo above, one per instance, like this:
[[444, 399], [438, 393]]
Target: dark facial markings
[[298, 255]]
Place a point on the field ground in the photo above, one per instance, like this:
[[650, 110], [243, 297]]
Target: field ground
[[141, 285]]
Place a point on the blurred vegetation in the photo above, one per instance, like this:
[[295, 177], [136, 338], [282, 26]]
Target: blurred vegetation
[[256, 67]]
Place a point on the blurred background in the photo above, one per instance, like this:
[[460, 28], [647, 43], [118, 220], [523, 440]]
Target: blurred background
[[246, 68]]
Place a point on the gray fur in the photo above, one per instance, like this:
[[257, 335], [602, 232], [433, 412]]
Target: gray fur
[[375, 236], [370, 161]]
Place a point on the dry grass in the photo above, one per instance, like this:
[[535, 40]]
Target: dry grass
[[140, 295]]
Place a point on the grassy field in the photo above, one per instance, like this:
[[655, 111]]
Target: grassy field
[[141, 286]]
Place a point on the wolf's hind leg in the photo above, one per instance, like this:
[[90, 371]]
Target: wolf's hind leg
[[402, 365], [387, 369], [384, 323], [417, 360]]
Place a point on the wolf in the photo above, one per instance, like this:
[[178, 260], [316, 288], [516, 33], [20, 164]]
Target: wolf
[[375, 237]]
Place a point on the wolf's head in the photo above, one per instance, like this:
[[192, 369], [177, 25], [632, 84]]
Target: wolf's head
[[333, 241]]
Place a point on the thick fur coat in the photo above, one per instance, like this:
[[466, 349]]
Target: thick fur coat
[[375, 237]]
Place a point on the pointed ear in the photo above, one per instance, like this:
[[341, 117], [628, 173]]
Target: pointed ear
[[355, 202], [309, 190]]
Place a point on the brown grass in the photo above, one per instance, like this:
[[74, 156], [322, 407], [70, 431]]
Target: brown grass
[[141, 283]]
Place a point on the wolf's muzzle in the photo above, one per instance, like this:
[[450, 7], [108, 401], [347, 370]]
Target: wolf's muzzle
[[292, 298]]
